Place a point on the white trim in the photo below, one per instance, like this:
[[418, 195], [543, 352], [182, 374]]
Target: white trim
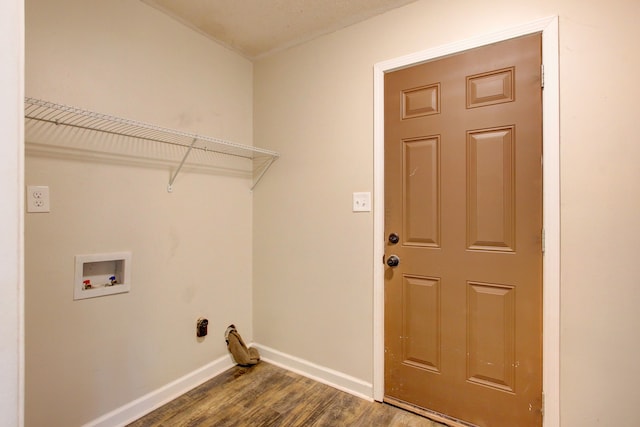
[[335, 379], [20, 19], [147, 403], [153, 400], [551, 220], [551, 200], [12, 378]]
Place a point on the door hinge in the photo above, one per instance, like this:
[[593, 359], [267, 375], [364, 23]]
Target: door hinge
[[542, 76], [543, 240], [542, 406]]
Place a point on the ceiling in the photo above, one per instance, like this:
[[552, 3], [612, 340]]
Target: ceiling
[[255, 28]]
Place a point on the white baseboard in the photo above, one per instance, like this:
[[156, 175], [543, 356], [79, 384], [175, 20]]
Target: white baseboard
[[145, 404], [335, 379], [132, 411]]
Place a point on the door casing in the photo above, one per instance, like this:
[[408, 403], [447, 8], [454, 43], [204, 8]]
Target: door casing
[[551, 200]]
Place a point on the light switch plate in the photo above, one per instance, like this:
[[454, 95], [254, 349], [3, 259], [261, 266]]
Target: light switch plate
[[362, 202], [38, 198]]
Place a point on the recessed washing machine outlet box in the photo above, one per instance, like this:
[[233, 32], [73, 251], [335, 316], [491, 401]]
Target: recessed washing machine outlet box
[[102, 274]]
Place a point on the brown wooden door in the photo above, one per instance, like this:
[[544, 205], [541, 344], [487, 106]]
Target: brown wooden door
[[463, 191]]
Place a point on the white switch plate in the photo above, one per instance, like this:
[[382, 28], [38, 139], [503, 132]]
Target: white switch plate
[[362, 202], [38, 198]]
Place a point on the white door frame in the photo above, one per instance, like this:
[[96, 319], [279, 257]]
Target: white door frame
[[551, 201], [11, 213]]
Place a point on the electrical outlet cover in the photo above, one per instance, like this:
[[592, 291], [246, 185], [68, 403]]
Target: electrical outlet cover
[[38, 198]]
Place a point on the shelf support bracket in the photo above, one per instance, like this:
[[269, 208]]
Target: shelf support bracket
[[175, 174], [264, 170]]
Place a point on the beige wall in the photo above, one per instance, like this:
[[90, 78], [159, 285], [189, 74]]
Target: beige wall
[[313, 256], [191, 248]]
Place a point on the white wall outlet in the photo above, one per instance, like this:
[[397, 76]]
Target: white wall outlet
[[38, 198], [362, 202]]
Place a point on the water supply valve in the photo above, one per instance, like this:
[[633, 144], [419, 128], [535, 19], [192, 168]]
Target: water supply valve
[[201, 327]]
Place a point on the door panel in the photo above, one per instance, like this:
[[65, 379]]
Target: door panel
[[491, 335], [421, 222], [421, 322], [490, 189], [463, 190]]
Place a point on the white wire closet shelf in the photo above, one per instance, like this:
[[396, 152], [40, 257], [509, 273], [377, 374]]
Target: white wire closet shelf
[[77, 118]]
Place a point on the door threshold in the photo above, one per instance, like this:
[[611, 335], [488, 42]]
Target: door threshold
[[427, 413]]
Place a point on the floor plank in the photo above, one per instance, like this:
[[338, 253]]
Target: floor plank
[[266, 395]]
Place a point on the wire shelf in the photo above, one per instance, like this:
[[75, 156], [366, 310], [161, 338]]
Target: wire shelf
[[64, 115]]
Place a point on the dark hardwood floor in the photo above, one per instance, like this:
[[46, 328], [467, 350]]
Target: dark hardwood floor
[[266, 395]]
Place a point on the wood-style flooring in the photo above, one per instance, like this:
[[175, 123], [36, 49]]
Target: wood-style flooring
[[266, 395]]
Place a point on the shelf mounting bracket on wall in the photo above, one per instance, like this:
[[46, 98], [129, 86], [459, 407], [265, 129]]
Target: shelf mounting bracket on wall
[[63, 115], [175, 174]]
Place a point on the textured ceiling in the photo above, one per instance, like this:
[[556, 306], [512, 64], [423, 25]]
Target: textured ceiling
[[256, 28]]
